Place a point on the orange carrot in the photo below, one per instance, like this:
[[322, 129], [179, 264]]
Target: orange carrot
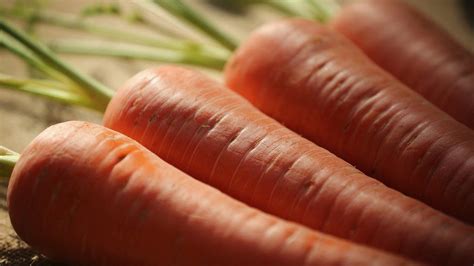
[[319, 84], [87, 195], [219, 138], [415, 50]]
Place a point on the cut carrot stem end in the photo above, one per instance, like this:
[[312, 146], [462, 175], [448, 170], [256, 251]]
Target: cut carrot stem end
[[8, 159], [184, 12]]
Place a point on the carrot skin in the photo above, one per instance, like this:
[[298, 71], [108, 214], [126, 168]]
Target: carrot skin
[[218, 137], [87, 195], [415, 50], [319, 84]]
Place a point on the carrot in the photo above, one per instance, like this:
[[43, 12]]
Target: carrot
[[216, 136], [319, 84], [87, 195], [415, 50]]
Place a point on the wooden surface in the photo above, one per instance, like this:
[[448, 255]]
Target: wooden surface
[[22, 117]]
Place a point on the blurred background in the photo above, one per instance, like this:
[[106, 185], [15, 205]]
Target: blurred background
[[23, 116]]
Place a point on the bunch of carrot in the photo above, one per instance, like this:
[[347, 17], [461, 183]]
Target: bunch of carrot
[[120, 204]]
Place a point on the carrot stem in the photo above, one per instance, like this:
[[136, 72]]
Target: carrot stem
[[78, 23], [320, 10], [83, 90], [53, 90], [283, 7], [101, 9], [134, 16], [162, 56], [8, 159], [99, 93], [114, 33], [29, 58], [323, 10], [184, 12]]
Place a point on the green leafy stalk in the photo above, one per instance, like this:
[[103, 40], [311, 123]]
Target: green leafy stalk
[[49, 89], [284, 7], [184, 12], [113, 9], [30, 58], [8, 159], [161, 56], [114, 33], [73, 22], [322, 10], [101, 9], [99, 93]]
